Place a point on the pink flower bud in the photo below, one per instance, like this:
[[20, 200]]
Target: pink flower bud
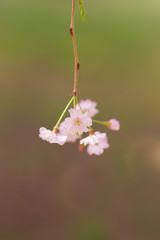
[[113, 124], [81, 147]]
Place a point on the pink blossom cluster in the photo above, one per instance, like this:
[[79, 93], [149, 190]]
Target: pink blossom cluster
[[80, 122]]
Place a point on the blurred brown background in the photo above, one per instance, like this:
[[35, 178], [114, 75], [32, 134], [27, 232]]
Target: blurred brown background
[[52, 192]]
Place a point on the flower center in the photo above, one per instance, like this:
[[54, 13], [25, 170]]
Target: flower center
[[77, 121], [85, 110]]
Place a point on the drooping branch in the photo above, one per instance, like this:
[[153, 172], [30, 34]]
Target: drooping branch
[[77, 64]]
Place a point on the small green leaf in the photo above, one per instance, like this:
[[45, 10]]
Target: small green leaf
[[81, 9]]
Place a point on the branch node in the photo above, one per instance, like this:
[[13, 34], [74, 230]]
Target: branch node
[[78, 66], [73, 94], [71, 31]]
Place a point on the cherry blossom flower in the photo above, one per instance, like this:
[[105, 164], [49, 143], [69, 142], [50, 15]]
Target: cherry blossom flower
[[88, 106], [78, 122], [113, 124], [63, 132], [51, 136], [96, 142]]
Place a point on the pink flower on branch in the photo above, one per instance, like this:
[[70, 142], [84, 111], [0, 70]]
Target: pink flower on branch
[[88, 106], [78, 122], [51, 136], [81, 116], [63, 132], [96, 142]]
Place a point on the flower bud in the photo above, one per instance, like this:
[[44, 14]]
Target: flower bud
[[81, 147], [113, 124]]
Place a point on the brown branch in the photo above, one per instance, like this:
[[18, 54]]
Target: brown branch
[[77, 64]]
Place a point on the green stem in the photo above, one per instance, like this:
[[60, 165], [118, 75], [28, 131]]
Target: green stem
[[56, 126], [79, 104], [99, 122], [74, 103]]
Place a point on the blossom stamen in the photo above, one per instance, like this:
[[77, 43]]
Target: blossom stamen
[[77, 121]]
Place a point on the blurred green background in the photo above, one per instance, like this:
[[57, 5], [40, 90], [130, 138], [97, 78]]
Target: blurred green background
[[52, 192]]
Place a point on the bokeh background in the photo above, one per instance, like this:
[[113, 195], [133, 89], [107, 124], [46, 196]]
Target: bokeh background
[[52, 192]]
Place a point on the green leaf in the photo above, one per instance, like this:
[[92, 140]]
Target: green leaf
[[81, 9]]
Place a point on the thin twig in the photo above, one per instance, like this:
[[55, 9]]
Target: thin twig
[[77, 64]]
